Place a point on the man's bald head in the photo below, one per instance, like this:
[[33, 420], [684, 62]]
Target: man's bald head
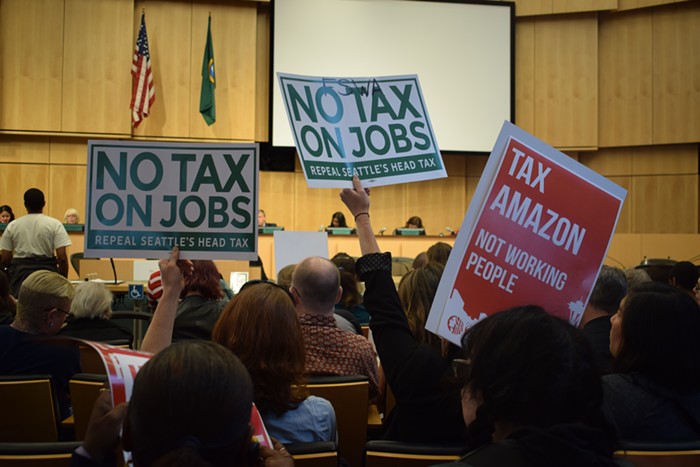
[[317, 283]]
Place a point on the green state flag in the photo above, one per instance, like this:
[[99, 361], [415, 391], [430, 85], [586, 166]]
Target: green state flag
[[207, 100]]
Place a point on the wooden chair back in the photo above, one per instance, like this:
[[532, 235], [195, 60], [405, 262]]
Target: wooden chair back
[[349, 396], [381, 453], [661, 454], [57, 454], [84, 390], [318, 454], [30, 410]]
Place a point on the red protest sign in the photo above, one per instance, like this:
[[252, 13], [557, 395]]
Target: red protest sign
[[536, 233]]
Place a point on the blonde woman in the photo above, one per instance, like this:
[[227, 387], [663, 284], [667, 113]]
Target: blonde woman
[[71, 216]]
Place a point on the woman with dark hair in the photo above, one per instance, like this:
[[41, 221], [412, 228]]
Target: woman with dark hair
[[414, 369], [439, 253], [201, 302], [654, 394], [417, 292], [531, 393], [338, 220], [190, 406], [6, 214], [414, 222], [260, 326]]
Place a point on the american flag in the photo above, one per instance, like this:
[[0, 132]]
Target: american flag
[[143, 92]]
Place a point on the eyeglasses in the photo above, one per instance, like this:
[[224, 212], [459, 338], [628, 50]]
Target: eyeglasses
[[68, 314], [262, 281]]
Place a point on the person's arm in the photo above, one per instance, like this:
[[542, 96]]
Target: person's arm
[[160, 332], [357, 201], [6, 258], [102, 435], [62, 260]]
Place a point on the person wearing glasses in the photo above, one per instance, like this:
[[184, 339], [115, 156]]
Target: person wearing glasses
[[27, 346]]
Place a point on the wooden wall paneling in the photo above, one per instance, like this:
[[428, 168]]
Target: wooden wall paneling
[[664, 204], [439, 203], [23, 150], [525, 74], [608, 162], [625, 79], [533, 7], [676, 73], [66, 190], [681, 247], [68, 150], [277, 198], [234, 35], [262, 74], [15, 179], [636, 4], [314, 207], [455, 164], [169, 26], [475, 165], [389, 207], [624, 222], [97, 58], [625, 251], [566, 84], [664, 160], [579, 6], [31, 44]]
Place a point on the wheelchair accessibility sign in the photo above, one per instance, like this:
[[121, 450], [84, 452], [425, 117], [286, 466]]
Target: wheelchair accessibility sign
[[136, 291]]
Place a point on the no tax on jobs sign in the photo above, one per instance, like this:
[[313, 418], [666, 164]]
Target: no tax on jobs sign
[[146, 198], [377, 128]]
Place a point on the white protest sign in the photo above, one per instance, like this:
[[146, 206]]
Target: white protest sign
[[146, 198], [536, 233], [377, 128]]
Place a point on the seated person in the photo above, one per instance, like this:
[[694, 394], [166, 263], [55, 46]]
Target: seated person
[[71, 216], [654, 394], [531, 394], [201, 302], [414, 222], [27, 346], [6, 214], [92, 310], [351, 299], [684, 275], [262, 220], [190, 405], [338, 220], [260, 326], [439, 253]]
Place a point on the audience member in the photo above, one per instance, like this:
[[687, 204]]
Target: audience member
[[424, 413], [414, 222], [6, 214], [684, 275], [338, 220], [420, 260], [284, 276], [531, 394], [655, 393], [154, 289], [92, 310], [201, 302], [26, 346], [608, 291], [8, 306], [351, 299], [329, 349], [636, 276], [29, 242], [190, 406], [71, 216], [417, 291], [439, 253], [260, 326]]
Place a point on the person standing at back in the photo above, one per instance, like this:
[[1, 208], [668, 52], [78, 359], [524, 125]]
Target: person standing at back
[[29, 242]]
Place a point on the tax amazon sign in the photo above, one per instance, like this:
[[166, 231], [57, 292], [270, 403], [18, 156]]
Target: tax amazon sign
[[146, 198], [377, 128], [536, 232]]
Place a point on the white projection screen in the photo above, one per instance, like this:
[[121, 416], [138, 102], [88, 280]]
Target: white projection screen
[[462, 53]]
